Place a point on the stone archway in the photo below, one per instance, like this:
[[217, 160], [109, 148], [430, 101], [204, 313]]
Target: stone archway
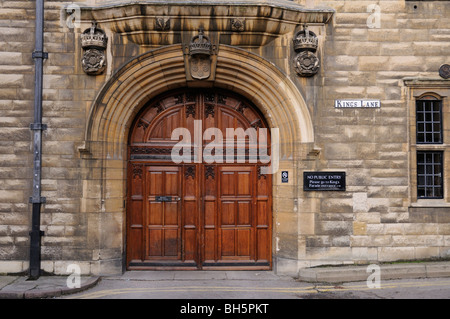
[[144, 78]]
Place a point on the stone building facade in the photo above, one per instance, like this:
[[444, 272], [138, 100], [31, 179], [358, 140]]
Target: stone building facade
[[296, 62]]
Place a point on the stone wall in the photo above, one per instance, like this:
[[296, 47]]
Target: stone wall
[[376, 219], [16, 114], [373, 220]]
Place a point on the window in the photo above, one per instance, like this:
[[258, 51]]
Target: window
[[429, 141], [429, 121], [429, 174], [429, 130]]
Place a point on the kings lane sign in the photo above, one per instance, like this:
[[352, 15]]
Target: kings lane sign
[[324, 181], [363, 104]]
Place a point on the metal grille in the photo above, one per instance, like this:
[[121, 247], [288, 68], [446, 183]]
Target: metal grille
[[429, 174], [429, 121]]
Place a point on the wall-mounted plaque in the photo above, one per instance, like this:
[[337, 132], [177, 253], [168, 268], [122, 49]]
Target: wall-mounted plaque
[[364, 104], [324, 181]]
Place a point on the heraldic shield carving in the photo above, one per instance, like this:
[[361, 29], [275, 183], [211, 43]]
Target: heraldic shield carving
[[200, 52], [200, 67], [94, 42], [306, 62]]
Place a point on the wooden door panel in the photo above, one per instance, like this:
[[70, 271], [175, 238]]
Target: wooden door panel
[[171, 242], [155, 242], [228, 213], [227, 242], [210, 213], [243, 242], [244, 183], [228, 183], [236, 209], [172, 184], [135, 235], [154, 180], [210, 245], [163, 217], [171, 216], [190, 211], [244, 213], [155, 215]]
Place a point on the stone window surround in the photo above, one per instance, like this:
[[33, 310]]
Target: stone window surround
[[416, 89]]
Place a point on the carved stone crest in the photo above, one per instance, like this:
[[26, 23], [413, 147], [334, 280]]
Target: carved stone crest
[[200, 51], [200, 58], [94, 42], [306, 62]]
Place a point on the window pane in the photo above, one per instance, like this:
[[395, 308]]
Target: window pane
[[436, 116], [437, 137], [420, 127], [429, 121], [429, 174], [420, 169], [438, 192], [438, 157], [420, 157], [421, 180], [421, 192], [420, 138], [420, 117]]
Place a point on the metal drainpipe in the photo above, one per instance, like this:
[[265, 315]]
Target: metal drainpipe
[[37, 127]]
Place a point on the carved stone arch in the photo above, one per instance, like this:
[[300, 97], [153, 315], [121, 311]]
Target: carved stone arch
[[161, 70], [142, 79]]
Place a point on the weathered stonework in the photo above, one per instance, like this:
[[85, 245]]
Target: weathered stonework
[[378, 217]]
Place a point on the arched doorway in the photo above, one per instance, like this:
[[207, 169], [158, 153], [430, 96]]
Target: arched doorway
[[205, 208], [143, 79]]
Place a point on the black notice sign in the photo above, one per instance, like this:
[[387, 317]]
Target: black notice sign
[[324, 181]]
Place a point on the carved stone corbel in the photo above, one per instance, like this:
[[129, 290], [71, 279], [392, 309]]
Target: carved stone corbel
[[94, 43]]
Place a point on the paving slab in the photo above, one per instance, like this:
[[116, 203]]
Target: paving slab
[[387, 272], [43, 287], [7, 280]]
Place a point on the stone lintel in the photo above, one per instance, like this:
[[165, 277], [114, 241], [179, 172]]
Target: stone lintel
[[258, 22]]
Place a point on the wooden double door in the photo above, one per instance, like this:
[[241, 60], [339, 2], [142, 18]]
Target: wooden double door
[[196, 215]]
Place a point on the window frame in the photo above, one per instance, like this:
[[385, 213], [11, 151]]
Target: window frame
[[418, 88]]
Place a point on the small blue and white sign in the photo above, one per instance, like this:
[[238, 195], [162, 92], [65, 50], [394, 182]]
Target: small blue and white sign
[[285, 177]]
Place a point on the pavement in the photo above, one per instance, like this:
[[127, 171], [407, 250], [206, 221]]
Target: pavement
[[19, 287]]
